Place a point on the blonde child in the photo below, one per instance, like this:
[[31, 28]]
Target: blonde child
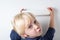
[[26, 27]]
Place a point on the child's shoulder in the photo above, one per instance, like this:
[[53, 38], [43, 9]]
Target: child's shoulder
[[14, 35]]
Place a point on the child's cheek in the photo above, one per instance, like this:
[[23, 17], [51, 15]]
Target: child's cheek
[[32, 32]]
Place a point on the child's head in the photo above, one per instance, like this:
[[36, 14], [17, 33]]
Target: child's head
[[26, 25]]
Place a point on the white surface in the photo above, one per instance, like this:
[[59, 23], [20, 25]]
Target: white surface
[[41, 11], [8, 8]]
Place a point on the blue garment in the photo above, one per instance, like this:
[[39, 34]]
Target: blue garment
[[48, 36]]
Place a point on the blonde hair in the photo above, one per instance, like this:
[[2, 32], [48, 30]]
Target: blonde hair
[[21, 21]]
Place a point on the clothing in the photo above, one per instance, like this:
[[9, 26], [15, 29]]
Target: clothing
[[48, 36]]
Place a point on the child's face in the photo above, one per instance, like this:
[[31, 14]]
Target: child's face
[[27, 24], [34, 29]]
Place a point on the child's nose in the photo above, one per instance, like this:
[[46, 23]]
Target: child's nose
[[36, 27]]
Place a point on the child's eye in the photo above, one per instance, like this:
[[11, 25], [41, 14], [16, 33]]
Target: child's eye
[[35, 21], [30, 26]]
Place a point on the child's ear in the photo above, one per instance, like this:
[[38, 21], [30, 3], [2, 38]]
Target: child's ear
[[12, 22]]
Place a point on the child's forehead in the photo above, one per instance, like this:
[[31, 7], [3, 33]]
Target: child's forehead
[[27, 17], [28, 20]]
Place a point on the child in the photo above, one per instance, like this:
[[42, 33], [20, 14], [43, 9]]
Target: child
[[26, 27]]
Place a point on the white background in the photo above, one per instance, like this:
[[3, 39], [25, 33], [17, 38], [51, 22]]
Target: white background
[[9, 8]]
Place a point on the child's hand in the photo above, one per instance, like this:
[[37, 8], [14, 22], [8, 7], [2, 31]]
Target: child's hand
[[23, 10], [51, 12], [51, 16]]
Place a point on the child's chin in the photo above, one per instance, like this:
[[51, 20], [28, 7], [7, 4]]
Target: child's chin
[[39, 34], [35, 36]]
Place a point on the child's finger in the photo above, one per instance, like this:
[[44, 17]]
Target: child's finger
[[50, 8], [51, 11], [23, 10]]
